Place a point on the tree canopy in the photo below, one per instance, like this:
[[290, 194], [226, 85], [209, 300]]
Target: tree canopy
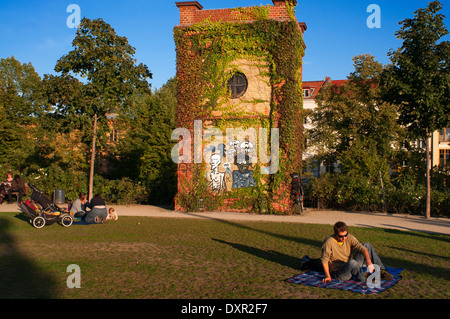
[[418, 79], [20, 107], [352, 125], [106, 63]]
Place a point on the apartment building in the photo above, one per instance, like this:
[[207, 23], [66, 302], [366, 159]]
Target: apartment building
[[440, 142]]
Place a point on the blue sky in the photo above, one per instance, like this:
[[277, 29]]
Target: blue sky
[[36, 31]]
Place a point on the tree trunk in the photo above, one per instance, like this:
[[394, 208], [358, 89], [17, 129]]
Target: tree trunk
[[428, 171], [91, 173]]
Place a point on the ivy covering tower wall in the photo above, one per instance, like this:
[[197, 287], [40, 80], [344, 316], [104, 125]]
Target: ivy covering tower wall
[[269, 52]]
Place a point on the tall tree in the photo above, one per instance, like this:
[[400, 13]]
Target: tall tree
[[418, 79], [19, 85], [65, 94], [20, 106], [107, 65], [145, 151], [157, 168]]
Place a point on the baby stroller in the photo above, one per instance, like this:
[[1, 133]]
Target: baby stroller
[[42, 211]]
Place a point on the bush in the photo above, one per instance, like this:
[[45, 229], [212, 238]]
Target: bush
[[340, 191], [120, 191], [440, 203], [405, 193], [407, 200], [54, 177], [322, 189]]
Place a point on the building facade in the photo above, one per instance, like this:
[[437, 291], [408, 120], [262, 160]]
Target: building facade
[[440, 142], [239, 73]]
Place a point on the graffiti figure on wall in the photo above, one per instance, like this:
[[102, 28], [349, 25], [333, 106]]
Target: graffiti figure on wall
[[243, 177], [242, 152], [217, 178]]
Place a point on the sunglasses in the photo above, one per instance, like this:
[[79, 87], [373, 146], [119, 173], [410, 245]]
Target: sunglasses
[[342, 236]]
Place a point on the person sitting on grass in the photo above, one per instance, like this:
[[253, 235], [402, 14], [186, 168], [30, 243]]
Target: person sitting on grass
[[98, 213], [79, 206], [112, 214], [343, 256]]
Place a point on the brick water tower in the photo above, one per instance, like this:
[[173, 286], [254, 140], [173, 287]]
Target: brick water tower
[[239, 90]]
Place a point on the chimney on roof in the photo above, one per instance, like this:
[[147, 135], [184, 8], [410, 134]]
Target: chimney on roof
[[302, 26], [278, 3], [187, 9]]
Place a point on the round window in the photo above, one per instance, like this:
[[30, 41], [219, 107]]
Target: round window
[[237, 85]]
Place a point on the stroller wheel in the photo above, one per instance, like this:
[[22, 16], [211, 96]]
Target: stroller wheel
[[39, 222], [66, 221]]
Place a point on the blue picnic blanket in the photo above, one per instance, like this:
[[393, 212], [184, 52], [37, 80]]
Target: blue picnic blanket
[[314, 278]]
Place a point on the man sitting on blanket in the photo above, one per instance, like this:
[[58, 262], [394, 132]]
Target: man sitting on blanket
[[337, 259]]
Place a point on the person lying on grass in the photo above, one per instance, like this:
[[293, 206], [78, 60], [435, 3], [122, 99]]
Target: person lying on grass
[[338, 261]]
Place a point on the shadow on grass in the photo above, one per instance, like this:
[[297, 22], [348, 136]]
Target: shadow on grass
[[293, 262], [432, 256], [270, 255], [22, 216], [300, 240], [407, 231], [21, 277], [437, 272]]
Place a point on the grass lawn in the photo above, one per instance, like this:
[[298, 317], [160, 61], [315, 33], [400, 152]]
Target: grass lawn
[[165, 258]]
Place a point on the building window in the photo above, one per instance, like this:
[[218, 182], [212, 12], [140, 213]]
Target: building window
[[306, 93], [444, 135], [421, 144], [113, 136], [237, 85], [444, 158]]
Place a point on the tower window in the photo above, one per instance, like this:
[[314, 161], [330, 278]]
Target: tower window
[[237, 85]]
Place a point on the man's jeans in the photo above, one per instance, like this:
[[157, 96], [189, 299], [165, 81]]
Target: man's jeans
[[353, 266], [95, 212]]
